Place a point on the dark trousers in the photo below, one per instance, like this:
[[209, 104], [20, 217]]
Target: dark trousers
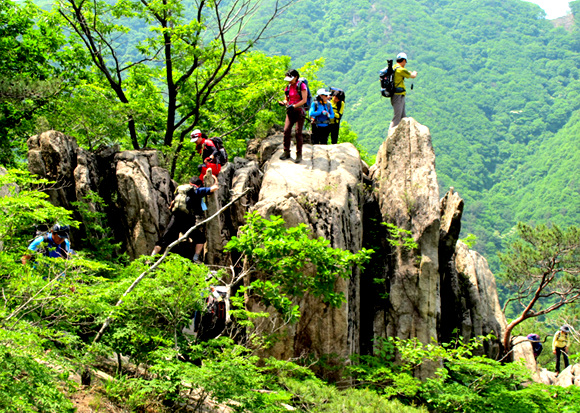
[[320, 134], [179, 222], [334, 128], [398, 102], [296, 117], [561, 350]]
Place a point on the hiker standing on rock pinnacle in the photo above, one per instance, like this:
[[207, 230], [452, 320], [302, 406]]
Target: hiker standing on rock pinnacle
[[208, 151], [398, 99], [296, 97]]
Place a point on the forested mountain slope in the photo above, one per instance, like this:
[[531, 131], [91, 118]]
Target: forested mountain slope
[[497, 85]]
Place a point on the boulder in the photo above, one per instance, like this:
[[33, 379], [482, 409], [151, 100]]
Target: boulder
[[566, 377], [481, 305], [408, 196], [52, 155], [522, 349], [546, 376], [142, 202], [322, 192], [137, 190]]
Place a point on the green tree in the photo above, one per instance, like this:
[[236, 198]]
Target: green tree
[[541, 269], [177, 62], [35, 68], [295, 263]]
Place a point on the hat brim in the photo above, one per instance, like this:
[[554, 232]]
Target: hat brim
[[62, 235], [289, 78], [194, 140]]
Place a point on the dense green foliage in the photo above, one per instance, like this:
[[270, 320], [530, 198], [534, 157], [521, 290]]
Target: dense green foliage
[[497, 86], [53, 309]]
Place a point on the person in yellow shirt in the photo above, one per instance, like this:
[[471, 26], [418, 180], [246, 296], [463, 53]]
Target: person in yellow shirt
[[560, 345], [398, 99], [337, 102]]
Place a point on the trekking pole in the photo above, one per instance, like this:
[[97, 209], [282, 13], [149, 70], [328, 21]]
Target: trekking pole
[[160, 260]]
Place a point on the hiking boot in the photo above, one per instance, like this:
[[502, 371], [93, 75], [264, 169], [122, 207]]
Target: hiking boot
[[298, 158], [285, 155]]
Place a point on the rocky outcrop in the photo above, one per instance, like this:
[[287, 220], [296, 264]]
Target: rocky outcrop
[[522, 349], [408, 197], [426, 292], [482, 312], [135, 187], [322, 192]]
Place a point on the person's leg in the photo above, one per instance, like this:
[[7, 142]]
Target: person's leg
[[324, 133], [398, 102], [334, 128], [170, 234], [299, 138], [315, 129], [558, 351], [566, 361], [287, 137]]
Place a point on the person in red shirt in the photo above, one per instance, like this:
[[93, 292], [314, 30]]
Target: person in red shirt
[[209, 153], [296, 97]]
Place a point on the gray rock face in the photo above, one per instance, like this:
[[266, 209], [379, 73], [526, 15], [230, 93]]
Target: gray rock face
[[408, 196], [423, 293], [324, 193], [482, 303], [142, 205], [522, 349], [136, 188], [570, 376], [52, 155]]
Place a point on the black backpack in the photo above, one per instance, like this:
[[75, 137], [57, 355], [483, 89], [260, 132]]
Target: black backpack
[[387, 77], [222, 154]]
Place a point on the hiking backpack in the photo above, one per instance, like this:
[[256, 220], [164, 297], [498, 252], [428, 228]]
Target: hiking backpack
[[216, 304], [387, 77], [222, 154], [181, 200], [298, 88]]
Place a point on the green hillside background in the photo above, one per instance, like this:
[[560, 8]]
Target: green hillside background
[[497, 86]]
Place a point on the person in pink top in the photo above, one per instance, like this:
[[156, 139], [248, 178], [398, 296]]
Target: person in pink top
[[296, 97]]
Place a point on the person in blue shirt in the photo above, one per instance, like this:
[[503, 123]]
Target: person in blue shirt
[[56, 244], [320, 115]]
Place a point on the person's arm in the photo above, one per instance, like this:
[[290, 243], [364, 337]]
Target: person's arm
[[413, 74], [312, 111], [32, 247], [554, 342], [203, 191]]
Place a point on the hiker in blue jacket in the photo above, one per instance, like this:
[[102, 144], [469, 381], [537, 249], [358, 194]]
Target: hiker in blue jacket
[[320, 115], [53, 245]]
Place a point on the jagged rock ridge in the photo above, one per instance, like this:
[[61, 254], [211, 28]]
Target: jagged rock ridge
[[425, 293]]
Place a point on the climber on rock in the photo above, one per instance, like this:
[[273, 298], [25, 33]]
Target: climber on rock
[[398, 99], [187, 208], [296, 97], [208, 151], [536, 343], [560, 345], [55, 244]]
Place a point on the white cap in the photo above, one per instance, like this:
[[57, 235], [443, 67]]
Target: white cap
[[402, 55], [195, 135], [322, 92], [288, 78]]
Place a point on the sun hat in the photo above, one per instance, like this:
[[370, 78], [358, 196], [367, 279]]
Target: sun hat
[[402, 55]]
